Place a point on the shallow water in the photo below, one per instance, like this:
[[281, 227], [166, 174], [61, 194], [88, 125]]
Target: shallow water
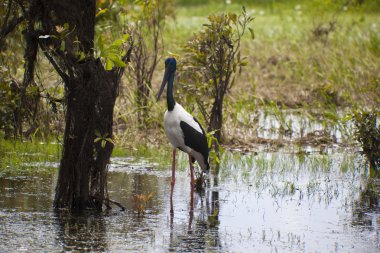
[[293, 124], [265, 202]]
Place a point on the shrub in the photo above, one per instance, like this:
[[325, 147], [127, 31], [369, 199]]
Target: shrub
[[212, 60], [368, 134]]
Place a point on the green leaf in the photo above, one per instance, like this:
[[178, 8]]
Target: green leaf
[[125, 37], [62, 47], [252, 33], [110, 140], [209, 138], [119, 63], [81, 56], [97, 133], [101, 12], [103, 143], [117, 43], [116, 60], [233, 17], [243, 63], [109, 64]]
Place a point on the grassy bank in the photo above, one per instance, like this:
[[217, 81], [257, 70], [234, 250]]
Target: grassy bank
[[320, 60], [25, 156], [302, 55], [19, 156]]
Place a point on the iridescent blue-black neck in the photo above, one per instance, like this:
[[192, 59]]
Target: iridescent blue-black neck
[[169, 92]]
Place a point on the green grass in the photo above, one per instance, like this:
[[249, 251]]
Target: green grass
[[294, 68], [288, 67], [288, 63], [153, 154], [23, 156], [27, 156], [278, 6]]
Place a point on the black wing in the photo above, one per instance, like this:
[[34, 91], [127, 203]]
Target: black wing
[[195, 139]]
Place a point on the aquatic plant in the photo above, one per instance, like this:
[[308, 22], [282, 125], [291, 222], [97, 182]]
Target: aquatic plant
[[140, 201], [368, 134]]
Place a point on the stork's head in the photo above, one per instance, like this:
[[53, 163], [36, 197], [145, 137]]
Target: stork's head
[[170, 63], [170, 67]]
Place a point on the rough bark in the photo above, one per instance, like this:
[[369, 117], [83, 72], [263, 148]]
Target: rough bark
[[216, 118], [90, 94], [83, 170]]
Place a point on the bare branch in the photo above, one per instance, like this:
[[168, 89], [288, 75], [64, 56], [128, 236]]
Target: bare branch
[[115, 203], [60, 72]]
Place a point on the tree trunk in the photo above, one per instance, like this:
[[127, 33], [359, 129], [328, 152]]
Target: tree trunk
[[90, 94], [83, 169], [216, 119], [82, 181]]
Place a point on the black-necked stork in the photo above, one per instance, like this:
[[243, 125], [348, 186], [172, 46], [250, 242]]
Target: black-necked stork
[[183, 130]]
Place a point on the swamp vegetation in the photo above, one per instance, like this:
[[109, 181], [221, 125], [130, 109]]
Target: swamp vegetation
[[295, 93]]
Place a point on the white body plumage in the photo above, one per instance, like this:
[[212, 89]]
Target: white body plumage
[[176, 136]]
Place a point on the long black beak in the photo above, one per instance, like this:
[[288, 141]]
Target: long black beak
[[163, 84]]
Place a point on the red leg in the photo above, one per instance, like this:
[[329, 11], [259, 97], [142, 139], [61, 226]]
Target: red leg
[[191, 173], [191, 213], [173, 182]]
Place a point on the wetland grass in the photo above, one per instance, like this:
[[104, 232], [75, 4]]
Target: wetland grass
[[304, 85], [19, 156], [299, 189], [295, 90]]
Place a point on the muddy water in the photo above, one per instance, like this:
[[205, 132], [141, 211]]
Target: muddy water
[[265, 202]]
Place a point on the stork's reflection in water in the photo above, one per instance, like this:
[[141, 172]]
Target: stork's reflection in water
[[201, 233]]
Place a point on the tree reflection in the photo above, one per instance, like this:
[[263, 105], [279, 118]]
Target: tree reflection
[[26, 193], [368, 203], [81, 231]]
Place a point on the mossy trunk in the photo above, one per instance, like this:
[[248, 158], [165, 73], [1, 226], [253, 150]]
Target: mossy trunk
[[83, 169]]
